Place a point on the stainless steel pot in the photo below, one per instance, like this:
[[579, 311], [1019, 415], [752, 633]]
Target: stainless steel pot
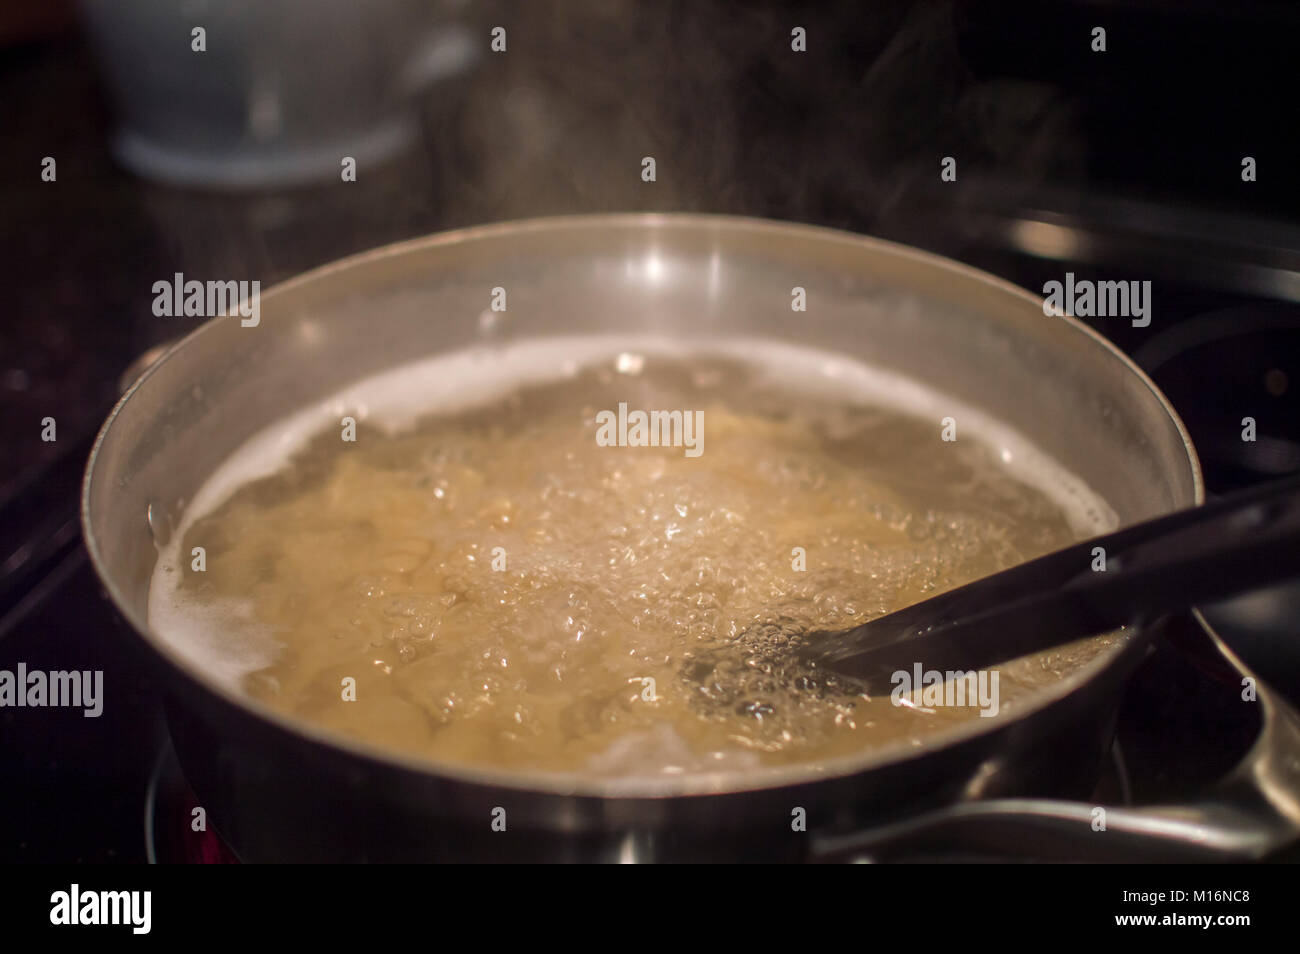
[[278, 788]]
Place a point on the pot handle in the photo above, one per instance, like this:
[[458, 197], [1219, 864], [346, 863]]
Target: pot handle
[[1251, 813]]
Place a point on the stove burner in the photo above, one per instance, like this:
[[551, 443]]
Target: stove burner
[[171, 812]]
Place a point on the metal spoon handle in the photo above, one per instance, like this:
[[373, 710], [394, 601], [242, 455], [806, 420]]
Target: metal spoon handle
[[1231, 545]]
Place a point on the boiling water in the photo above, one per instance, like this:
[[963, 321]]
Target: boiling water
[[488, 584]]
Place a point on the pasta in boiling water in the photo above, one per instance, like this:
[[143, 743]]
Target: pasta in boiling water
[[496, 585]]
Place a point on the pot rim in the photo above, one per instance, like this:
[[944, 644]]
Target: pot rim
[[655, 787]]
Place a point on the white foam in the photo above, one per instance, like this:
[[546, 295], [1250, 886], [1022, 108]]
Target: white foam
[[219, 637], [394, 400]]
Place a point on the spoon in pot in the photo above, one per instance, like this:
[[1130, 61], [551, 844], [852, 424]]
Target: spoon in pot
[[1239, 542]]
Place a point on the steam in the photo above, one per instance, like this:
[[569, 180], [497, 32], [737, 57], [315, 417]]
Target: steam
[[849, 133]]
